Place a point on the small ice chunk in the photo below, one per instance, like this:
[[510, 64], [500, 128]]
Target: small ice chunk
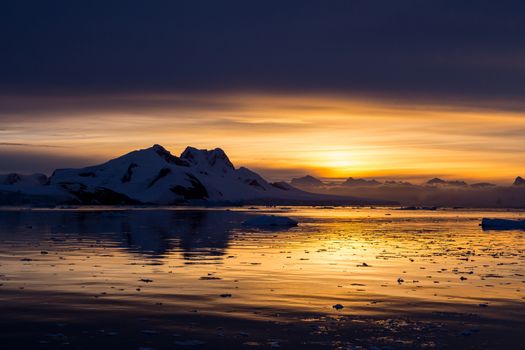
[[269, 221], [338, 306]]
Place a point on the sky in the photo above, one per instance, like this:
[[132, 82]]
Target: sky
[[377, 89]]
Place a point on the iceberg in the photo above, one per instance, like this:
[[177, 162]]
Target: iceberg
[[502, 224]]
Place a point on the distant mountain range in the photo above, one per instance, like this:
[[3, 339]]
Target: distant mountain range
[[155, 176], [311, 181], [434, 192]]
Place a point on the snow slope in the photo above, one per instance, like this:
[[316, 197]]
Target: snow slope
[[155, 176], [19, 180], [18, 189]]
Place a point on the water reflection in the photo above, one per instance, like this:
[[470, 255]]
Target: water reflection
[[197, 234], [339, 247], [149, 274]]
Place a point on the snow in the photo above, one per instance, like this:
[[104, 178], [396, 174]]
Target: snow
[[20, 189], [270, 221], [502, 224], [204, 159], [20, 180], [155, 176]]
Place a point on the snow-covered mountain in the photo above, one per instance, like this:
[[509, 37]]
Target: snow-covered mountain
[[20, 180], [155, 176], [19, 189]]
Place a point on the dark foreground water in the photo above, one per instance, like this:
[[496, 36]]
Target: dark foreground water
[[169, 279]]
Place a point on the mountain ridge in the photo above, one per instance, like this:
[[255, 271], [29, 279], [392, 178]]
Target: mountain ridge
[[435, 192], [155, 176]]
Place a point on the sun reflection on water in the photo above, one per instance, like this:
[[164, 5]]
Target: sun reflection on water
[[373, 261]]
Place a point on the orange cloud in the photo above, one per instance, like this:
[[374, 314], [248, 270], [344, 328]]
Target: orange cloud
[[327, 136]]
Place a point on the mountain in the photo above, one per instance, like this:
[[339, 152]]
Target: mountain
[[19, 189], [436, 181], [155, 176], [306, 181], [519, 181], [439, 182], [19, 180], [360, 182], [397, 183]]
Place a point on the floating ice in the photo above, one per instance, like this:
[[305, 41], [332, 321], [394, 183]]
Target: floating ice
[[270, 221], [502, 224]]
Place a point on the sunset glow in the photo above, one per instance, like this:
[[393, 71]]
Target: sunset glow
[[262, 174], [280, 135]]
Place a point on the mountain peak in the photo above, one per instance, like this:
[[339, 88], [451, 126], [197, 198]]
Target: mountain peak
[[360, 182], [436, 181], [307, 180], [440, 182], [519, 181], [204, 157], [166, 155], [157, 147]]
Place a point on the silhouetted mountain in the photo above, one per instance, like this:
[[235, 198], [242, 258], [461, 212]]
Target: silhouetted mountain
[[440, 182], [360, 182], [436, 181], [519, 181], [398, 183], [306, 181], [436, 193]]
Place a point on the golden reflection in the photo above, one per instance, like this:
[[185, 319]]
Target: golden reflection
[[372, 261]]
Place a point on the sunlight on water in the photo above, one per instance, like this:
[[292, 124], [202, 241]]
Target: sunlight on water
[[371, 261]]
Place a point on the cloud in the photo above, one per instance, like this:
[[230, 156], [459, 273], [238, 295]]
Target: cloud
[[329, 136], [31, 161], [398, 49], [14, 144]]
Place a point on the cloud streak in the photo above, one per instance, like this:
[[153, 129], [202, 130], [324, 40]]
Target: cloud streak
[[327, 136], [14, 144]]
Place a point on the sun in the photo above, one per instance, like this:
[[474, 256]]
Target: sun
[[338, 163]]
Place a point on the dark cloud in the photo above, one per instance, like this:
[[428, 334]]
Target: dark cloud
[[438, 49], [28, 161]]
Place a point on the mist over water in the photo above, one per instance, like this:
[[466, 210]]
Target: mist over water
[[479, 195]]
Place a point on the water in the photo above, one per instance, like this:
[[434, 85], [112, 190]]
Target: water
[[164, 278]]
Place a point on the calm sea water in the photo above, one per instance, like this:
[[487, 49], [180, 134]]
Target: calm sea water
[[144, 278]]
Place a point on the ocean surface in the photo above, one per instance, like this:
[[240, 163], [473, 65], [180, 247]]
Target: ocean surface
[[345, 278]]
